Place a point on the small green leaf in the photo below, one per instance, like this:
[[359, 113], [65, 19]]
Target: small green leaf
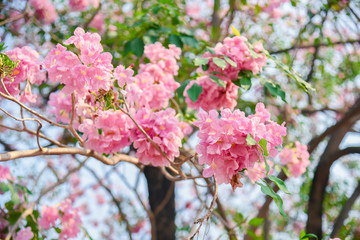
[[256, 221], [229, 61], [306, 236], [205, 67], [280, 183], [218, 81], [201, 61], [275, 90], [263, 145], [175, 39], [189, 40], [278, 201], [194, 92], [219, 62], [238, 218], [245, 83], [210, 50], [137, 46], [250, 141], [180, 90], [58, 230], [100, 131], [4, 187]]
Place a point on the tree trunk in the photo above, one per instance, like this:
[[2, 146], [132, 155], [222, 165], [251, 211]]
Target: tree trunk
[[162, 202]]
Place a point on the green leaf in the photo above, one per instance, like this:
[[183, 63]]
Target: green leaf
[[201, 61], [219, 62], [189, 40], [269, 191], [175, 39], [205, 67], [100, 131], [210, 50], [4, 187], [263, 145], [13, 217], [137, 46], [194, 92], [280, 183], [250, 141], [58, 230], [218, 81], [229, 61], [238, 218], [235, 31], [306, 236], [180, 90], [275, 90], [245, 83], [256, 221]]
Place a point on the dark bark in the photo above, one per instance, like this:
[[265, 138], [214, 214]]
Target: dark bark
[[321, 177], [162, 203]]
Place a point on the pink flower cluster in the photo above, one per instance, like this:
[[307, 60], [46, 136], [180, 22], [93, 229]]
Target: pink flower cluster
[[69, 219], [223, 144], [213, 96], [258, 171], [92, 73], [28, 68], [62, 105], [24, 234], [5, 173], [236, 50], [164, 129], [296, 159], [81, 5], [155, 84], [44, 10], [108, 132]]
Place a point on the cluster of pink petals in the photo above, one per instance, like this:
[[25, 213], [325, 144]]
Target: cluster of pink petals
[[5, 173], [81, 5], [296, 159], [24, 234], [238, 51], [28, 68], [92, 73], [98, 23], [164, 129], [273, 5], [49, 215], [61, 106], [258, 171], [223, 140], [108, 132], [155, 84], [69, 219], [123, 75], [44, 10], [213, 96]]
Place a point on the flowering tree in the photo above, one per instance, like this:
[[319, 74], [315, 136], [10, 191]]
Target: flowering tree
[[178, 119]]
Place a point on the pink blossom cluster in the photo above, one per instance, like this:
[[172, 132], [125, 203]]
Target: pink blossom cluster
[[296, 159], [258, 170], [92, 72], [44, 10], [69, 219], [5, 173], [28, 68], [164, 129], [81, 5], [61, 106], [223, 144], [237, 51], [108, 132], [24, 234], [154, 84], [213, 96]]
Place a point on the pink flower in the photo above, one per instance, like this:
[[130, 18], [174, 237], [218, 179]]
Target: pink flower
[[108, 132], [24, 234], [61, 106], [98, 23], [296, 159], [5, 173], [258, 171], [163, 128], [44, 10], [48, 217], [78, 5], [223, 144], [123, 76], [213, 96], [70, 221]]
